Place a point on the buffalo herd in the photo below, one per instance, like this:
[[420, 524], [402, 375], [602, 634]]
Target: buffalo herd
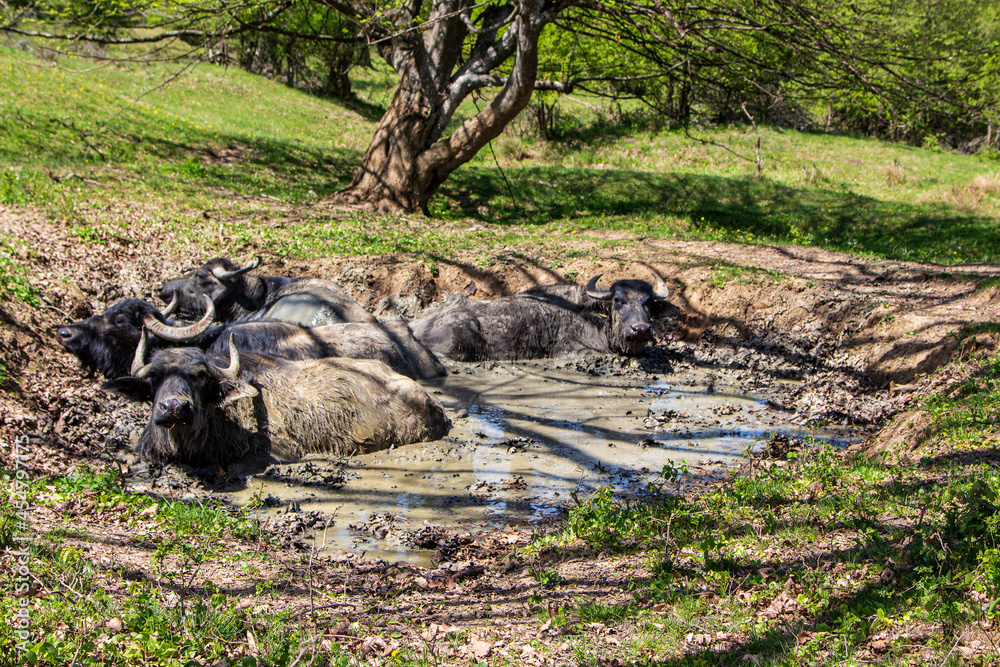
[[240, 367]]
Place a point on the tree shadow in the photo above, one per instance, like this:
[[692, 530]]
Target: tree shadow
[[731, 207]]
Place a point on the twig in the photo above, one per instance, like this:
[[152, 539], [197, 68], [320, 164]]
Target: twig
[[759, 162], [71, 175], [953, 647], [510, 190], [322, 607]]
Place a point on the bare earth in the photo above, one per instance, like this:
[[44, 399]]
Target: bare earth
[[866, 337]]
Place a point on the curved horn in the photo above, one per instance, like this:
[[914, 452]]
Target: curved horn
[[222, 274], [661, 291], [233, 372], [594, 293], [182, 334], [140, 368], [172, 306]]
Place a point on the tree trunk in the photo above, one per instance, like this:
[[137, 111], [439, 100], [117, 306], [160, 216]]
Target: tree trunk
[[387, 180], [407, 161]]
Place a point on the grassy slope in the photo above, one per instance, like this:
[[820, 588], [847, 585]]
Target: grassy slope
[[217, 140], [193, 142]]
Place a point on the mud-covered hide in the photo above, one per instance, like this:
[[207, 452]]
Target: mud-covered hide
[[549, 321], [275, 408], [390, 342]]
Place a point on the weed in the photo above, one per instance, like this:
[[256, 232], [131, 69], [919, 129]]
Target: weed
[[547, 578], [596, 612], [723, 274], [13, 275]]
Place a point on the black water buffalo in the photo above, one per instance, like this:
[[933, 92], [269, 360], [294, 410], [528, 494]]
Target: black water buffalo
[[205, 412], [546, 321], [107, 343], [241, 296]]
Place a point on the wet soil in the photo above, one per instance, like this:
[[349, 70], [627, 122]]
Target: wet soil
[[528, 437], [795, 340]]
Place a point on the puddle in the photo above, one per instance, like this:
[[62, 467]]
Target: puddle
[[526, 436]]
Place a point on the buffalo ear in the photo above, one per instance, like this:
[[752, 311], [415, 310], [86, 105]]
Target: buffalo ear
[[234, 391], [138, 389], [659, 308]]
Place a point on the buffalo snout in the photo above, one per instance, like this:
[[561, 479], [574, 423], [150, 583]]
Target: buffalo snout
[[70, 337], [640, 330], [173, 412]]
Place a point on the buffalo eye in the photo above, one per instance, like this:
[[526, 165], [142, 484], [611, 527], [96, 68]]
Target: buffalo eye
[[618, 302]]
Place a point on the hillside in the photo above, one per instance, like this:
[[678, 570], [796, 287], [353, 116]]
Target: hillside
[[867, 271]]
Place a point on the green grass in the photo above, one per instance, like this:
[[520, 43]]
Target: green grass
[[180, 148], [98, 616], [857, 548], [14, 274]]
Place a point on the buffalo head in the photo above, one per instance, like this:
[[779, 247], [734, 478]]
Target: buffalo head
[[629, 304], [107, 342], [220, 280], [184, 386]]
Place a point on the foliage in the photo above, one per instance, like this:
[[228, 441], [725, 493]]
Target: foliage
[[99, 617], [970, 411], [915, 547], [800, 63], [290, 53], [13, 275]]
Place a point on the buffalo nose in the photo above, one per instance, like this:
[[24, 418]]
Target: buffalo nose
[[165, 295], [640, 329], [172, 411], [67, 335]]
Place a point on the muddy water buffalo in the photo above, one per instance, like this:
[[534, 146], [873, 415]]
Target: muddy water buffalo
[[548, 321], [241, 296], [207, 412], [107, 343]]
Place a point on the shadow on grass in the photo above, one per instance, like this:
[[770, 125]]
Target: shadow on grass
[[279, 169], [720, 208]]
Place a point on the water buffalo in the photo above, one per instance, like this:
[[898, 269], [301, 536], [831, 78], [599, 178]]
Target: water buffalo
[[206, 412], [241, 296], [107, 343], [548, 321]]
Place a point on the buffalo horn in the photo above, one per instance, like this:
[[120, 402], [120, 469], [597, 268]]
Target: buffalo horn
[[661, 291], [182, 334], [594, 293], [139, 367], [172, 306], [233, 372], [222, 274]]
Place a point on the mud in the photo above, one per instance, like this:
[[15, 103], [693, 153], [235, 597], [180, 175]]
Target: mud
[[528, 439]]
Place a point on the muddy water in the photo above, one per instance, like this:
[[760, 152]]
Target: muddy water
[[526, 436]]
